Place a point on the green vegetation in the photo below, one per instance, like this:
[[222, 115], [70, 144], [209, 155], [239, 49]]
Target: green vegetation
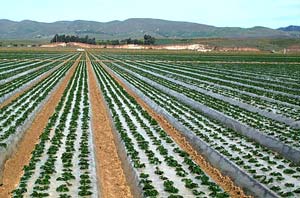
[[148, 40], [177, 83], [156, 74], [68, 38]]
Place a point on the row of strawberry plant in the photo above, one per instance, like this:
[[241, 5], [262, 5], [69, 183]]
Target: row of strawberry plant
[[264, 166], [265, 125], [17, 112], [63, 163], [269, 107], [17, 116], [4, 63], [162, 168], [258, 84], [181, 56], [15, 55], [251, 77], [26, 79], [284, 71], [210, 69], [268, 82], [11, 65], [19, 72], [283, 97], [15, 69]]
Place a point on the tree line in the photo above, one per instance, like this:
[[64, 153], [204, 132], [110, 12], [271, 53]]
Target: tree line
[[147, 40], [68, 38]]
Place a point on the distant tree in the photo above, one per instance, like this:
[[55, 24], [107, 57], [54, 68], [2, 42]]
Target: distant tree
[[63, 38], [122, 42], [138, 42], [93, 41], [131, 41], [115, 42], [128, 41], [68, 38], [54, 40], [148, 40], [101, 42], [73, 38], [86, 39]]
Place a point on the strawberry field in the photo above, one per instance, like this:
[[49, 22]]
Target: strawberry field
[[176, 124]]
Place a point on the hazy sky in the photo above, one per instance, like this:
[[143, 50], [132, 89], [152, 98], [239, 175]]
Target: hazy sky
[[243, 13]]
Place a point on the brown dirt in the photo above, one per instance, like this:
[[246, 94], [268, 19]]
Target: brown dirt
[[225, 182], [15, 96], [109, 169], [13, 168]]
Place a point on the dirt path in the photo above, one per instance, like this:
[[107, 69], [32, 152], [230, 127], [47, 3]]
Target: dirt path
[[225, 182], [16, 95], [109, 169], [13, 168]]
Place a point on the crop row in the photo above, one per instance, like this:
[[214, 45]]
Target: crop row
[[290, 88], [9, 63], [191, 78], [258, 67], [205, 70], [283, 71], [162, 168], [265, 125], [263, 165], [62, 163], [29, 55], [15, 69], [26, 79], [290, 113], [14, 65], [194, 57], [287, 82], [16, 116], [219, 81]]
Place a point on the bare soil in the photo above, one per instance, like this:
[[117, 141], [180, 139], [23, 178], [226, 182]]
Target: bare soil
[[110, 174], [13, 168], [224, 181]]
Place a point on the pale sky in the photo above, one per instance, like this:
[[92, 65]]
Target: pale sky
[[242, 13]]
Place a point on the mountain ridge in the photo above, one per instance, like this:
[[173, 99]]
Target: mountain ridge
[[133, 28], [290, 28]]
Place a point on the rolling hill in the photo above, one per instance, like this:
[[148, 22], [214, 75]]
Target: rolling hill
[[133, 28], [290, 28]]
